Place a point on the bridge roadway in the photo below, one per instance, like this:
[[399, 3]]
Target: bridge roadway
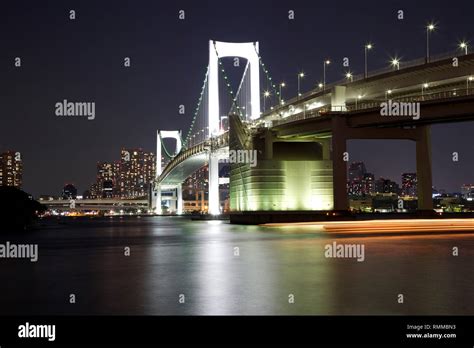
[[191, 159], [405, 84]]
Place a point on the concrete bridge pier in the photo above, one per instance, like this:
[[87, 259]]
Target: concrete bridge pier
[[179, 200], [157, 194], [339, 147], [214, 206]]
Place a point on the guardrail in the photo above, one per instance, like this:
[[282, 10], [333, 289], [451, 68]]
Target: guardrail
[[375, 104]]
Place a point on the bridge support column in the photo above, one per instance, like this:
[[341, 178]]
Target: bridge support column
[[423, 169], [326, 147], [268, 144], [179, 200], [157, 194], [339, 147], [213, 203]]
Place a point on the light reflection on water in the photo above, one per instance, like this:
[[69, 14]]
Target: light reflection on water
[[173, 256]]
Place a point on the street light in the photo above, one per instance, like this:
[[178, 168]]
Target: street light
[[463, 46], [300, 76], [320, 85], [387, 93], [359, 97], [429, 28], [266, 94], [468, 81], [281, 85], [349, 76], [367, 47], [326, 62], [395, 62], [423, 87]]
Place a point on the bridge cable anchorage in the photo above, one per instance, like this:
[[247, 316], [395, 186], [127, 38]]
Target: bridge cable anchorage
[[185, 142]]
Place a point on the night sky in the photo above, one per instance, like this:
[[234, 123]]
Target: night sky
[[82, 60]]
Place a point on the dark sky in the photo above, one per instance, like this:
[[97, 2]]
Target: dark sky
[[82, 60]]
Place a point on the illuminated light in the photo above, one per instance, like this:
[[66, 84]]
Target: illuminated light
[[395, 62], [301, 74], [327, 62], [266, 93], [431, 26], [320, 85], [283, 84], [470, 78], [214, 222], [425, 85], [389, 91], [359, 97], [348, 75], [369, 46]]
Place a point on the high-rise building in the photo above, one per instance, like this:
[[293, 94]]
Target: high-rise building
[[386, 186], [196, 184], [354, 188], [94, 192], [357, 171], [409, 184], [368, 184], [11, 169], [108, 178], [69, 192], [356, 175], [467, 191], [137, 172]]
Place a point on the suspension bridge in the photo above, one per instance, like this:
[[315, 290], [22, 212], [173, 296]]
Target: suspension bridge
[[301, 142]]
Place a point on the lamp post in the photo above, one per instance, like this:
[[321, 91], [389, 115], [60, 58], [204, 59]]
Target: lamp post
[[423, 87], [463, 46], [266, 94], [468, 81], [429, 28], [349, 76], [300, 76], [326, 62], [387, 93], [395, 63], [281, 85], [358, 98], [367, 47]]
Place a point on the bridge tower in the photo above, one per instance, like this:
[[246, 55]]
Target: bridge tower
[[156, 191], [217, 49]]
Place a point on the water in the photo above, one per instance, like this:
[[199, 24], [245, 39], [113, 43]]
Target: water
[[171, 256]]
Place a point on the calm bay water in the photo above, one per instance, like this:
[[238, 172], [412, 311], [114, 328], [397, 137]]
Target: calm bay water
[[173, 256]]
